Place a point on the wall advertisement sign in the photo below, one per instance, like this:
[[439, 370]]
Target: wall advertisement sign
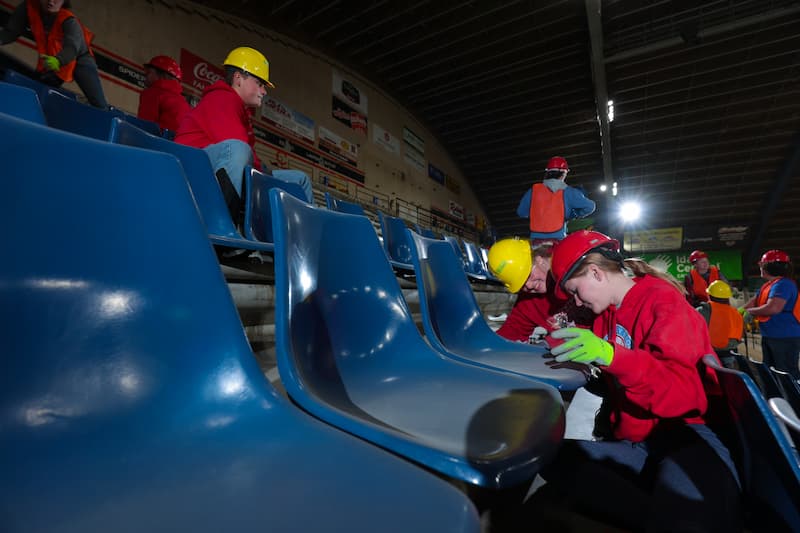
[[677, 263]]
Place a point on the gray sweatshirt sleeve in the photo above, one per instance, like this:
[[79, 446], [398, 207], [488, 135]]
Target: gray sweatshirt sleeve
[[74, 44], [15, 25]]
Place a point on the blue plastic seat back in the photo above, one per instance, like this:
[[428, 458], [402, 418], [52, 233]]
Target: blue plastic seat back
[[200, 173], [454, 324], [343, 206], [473, 260], [145, 125], [768, 466], [766, 379], [789, 387], [455, 243], [12, 76], [395, 240], [349, 352], [257, 211], [70, 115], [131, 399], [21, 102]]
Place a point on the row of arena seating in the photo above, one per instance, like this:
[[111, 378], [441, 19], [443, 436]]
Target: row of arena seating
[[62, 110], [131, 399], [393, 231], [775, 384]]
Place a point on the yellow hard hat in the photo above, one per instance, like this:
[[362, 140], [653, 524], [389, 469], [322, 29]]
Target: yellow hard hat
[[251, 61], [719, 289], [511, 262]]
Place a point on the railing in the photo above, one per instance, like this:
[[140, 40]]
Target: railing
[[373, 201]]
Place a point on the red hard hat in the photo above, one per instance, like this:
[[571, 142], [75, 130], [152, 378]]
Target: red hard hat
[[775, 256], [167, 64], [569, 253], [557, 163], [697, 254]]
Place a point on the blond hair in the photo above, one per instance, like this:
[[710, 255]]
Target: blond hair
[[638, 266]]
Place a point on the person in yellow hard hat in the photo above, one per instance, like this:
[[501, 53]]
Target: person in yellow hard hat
[[725, 324], [526, 271], [222, 125]]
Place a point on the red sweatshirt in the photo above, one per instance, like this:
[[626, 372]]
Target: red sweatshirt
[[659, 341], [163, 104], [529, 311], [221, 115]]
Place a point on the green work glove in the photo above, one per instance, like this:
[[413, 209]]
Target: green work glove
[[51, 62], [748, 318], [582, 346]]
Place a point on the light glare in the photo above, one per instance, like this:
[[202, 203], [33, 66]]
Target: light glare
[[630, 211]]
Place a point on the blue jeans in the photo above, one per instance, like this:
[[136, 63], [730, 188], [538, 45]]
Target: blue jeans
[[234, 155], [681, 479], [296, 176]]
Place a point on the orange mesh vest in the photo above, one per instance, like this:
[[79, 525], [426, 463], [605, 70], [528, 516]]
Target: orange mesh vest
[[699, 285], [763, 296], [725, 323], [547, 209], [51, 43]]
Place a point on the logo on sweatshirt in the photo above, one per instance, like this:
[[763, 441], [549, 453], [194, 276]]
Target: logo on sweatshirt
[[623, 337]]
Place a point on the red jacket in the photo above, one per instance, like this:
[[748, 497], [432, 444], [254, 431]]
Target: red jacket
[[529, 311], [659, 342], [164, 104], [221, 115]]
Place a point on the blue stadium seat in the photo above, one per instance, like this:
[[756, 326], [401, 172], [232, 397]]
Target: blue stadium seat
[[350, 354], [784, 412], [257, 211], [768, 467], [70, 115], [144, 125], [769, 385], [12, 76], [425, 232], [21, 102], [473, 262], [395, 241], [789, 387], [454, 325], [130, 398], [343, 206], [205, 188]]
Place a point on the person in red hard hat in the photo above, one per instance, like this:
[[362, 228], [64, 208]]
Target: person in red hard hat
[[668, 467], [162, 100], [776, 308], [550, 204], [702, 274]]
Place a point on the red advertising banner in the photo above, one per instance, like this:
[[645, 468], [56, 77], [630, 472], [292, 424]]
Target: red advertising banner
[[198, 72]]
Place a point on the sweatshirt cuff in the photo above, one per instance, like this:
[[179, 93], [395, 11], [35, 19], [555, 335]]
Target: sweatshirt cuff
[[625, 366]]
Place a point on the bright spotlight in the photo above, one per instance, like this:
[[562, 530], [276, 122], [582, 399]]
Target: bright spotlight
[[630, 211], [603, 188]]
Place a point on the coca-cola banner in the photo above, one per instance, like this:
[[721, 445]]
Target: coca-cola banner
[[199, 72]]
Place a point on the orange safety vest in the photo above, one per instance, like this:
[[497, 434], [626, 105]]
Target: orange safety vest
[[51, 43], [763, 296], [547, 209], [699, 285], [725, 323]]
